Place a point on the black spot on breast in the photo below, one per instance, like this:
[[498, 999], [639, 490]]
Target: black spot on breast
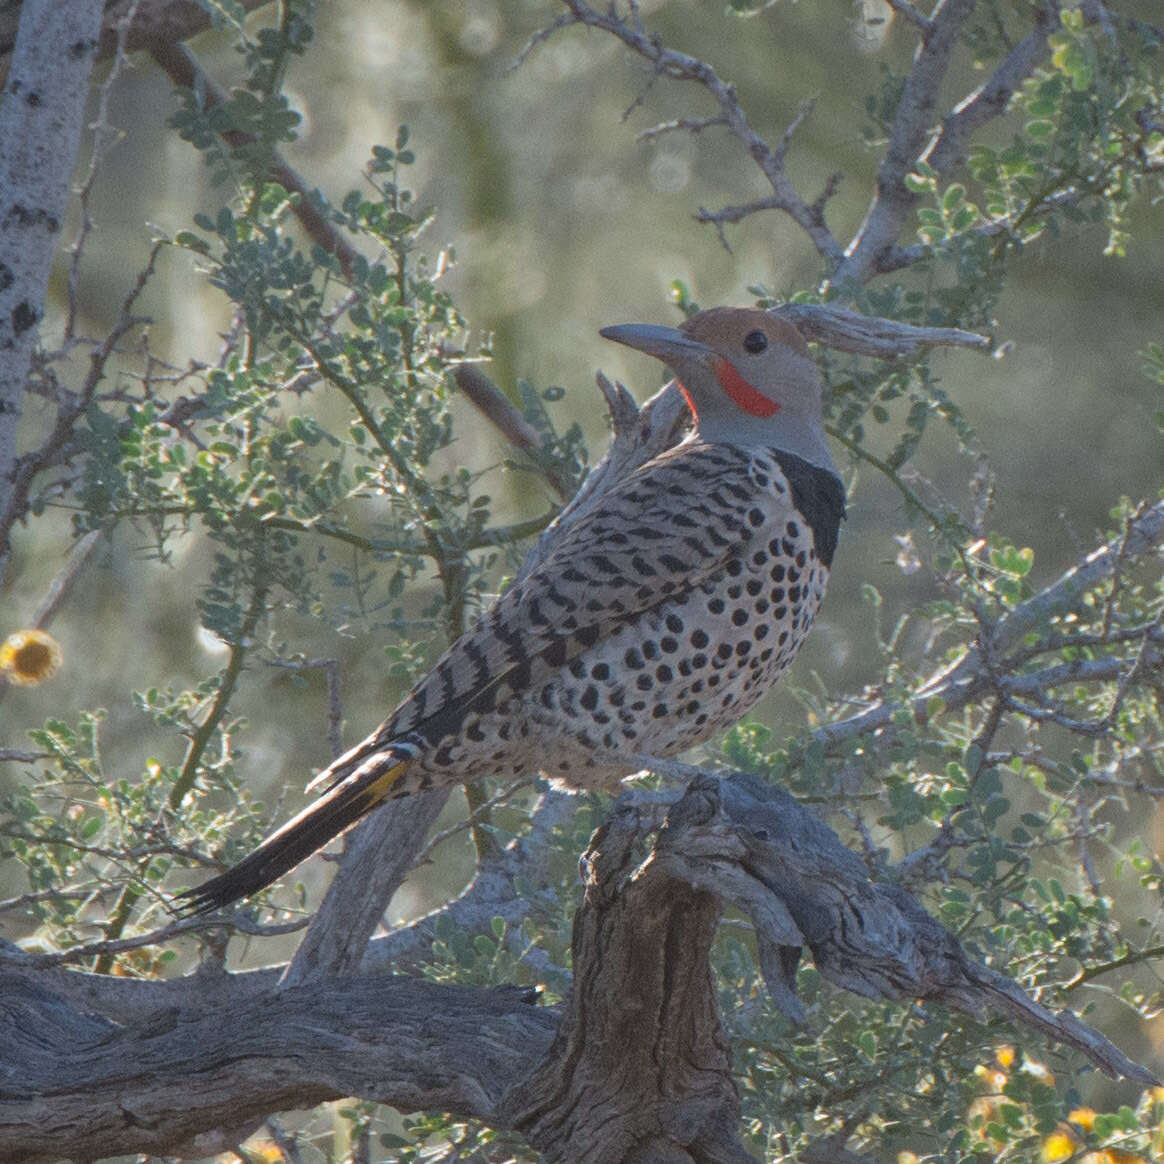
[[587, 635]]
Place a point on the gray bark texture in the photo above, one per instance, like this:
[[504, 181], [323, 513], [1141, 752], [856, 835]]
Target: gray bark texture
[[634, 1066], [40, 130]]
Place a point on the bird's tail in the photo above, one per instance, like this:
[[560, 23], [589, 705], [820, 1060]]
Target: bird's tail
[[356, 782]]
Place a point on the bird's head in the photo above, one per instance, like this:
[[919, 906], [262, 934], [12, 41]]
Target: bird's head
[[747, 375]]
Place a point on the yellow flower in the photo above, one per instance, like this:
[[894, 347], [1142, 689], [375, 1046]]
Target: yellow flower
[[1083, 1117], [1058, 1146], [1005, 1057], [29, 657]]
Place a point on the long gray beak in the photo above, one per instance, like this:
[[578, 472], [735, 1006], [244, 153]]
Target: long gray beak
[[664, 343]]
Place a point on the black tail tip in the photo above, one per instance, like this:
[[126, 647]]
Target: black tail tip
[[215, 894]]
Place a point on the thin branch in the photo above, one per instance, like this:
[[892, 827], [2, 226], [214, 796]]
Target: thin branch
[[1131, 958], [107, 949], [104, 137], [681, 67], [688, 124], [335, 715], [58, 590], [497, 408], [70, 408], [963, 679], [911, 125], [989, 101], [896, 258], [183, 69], [904, 8], [199, 741]]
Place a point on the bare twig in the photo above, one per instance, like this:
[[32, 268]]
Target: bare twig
[[688, 124], [104, 136], [681, 67]]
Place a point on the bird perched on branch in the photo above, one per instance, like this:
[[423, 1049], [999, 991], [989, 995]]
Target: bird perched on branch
[[657, 618]]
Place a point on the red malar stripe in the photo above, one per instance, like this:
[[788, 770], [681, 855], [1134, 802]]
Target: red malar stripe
[[742, 393]]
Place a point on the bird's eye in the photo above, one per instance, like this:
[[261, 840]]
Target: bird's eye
[[755, 341]]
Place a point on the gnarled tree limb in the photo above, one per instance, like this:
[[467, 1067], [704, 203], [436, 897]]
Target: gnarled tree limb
[[634, 1066]]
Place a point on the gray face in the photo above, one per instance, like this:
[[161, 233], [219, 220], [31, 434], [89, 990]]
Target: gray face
[[748, 377]]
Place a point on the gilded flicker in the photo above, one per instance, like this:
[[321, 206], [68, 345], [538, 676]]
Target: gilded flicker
[[658, 618]]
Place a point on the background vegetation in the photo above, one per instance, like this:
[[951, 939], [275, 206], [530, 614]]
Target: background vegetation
[[280, 508]]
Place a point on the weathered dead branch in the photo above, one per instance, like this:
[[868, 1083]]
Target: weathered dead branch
[[636, 1066]]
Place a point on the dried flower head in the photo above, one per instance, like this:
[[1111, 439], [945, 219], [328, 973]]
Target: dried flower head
[[29, 657]]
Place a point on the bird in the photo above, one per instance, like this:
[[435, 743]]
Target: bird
[[657, 618]]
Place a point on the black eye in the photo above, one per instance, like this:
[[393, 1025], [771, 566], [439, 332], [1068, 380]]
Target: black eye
[[755, 341]]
